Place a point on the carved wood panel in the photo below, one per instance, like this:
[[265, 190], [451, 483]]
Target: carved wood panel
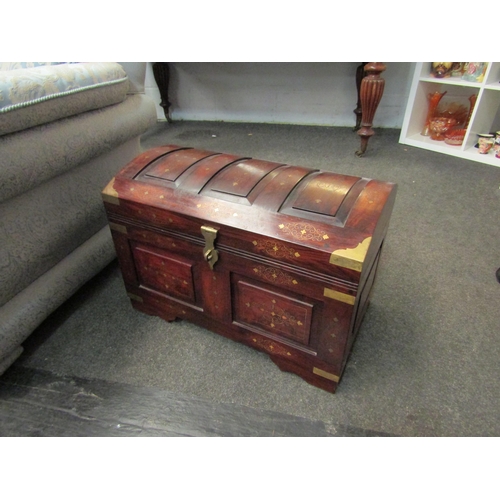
[[165, 273], [273, 312]]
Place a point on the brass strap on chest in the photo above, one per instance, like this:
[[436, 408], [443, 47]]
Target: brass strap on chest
[[210, 254]]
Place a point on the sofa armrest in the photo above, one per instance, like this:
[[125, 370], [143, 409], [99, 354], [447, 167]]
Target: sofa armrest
[[39, 95]]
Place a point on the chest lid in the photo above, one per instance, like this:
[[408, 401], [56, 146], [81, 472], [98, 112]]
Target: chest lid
[[323, 210]]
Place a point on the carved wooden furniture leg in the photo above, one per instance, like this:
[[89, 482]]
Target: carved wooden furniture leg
[[372, 88], [161, 72], [360, 74]]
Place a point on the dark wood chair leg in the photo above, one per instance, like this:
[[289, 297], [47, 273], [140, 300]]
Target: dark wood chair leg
[[161, 72], [360, 74], [372, 89]]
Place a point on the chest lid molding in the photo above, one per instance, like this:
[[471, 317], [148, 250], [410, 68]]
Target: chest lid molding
[[340, 215]]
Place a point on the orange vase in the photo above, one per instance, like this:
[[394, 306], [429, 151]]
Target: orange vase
[[472, 100], [433, 100]]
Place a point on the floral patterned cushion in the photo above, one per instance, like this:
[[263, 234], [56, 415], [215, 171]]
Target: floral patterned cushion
[[5, 66], [31, 96]]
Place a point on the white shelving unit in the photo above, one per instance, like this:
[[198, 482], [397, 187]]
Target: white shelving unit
[[485, 117]]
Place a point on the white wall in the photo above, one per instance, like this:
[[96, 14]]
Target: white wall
[[299, 93]]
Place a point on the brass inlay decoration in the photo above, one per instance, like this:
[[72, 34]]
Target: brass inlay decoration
[[351, 258], [216, 209], [273, 347], [274, 275], [109, 193], [322, 373], [303, 231], [276, 250], [135, 297], [118, 227], [341, 297], [275, 316]]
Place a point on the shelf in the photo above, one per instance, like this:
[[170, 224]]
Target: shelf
[[492, 86], [451, 81], [469, 153], [485, 116]]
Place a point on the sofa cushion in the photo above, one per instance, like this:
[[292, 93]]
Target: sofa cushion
[[55, 148], [49, 219], [42, 94], [5, 66], [42, 226]]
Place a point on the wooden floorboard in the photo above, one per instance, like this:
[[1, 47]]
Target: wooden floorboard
[[39, 403]]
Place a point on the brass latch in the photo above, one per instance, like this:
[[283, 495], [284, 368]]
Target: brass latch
[[210, 254]]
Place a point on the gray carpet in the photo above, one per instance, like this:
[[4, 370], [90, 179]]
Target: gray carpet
[[426, 361]]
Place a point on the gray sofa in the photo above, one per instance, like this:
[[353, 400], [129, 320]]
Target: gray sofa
[[65, 130]]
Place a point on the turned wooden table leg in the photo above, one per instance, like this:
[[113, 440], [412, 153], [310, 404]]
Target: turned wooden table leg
[[372, 88], [161, 72], [360, 74]]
